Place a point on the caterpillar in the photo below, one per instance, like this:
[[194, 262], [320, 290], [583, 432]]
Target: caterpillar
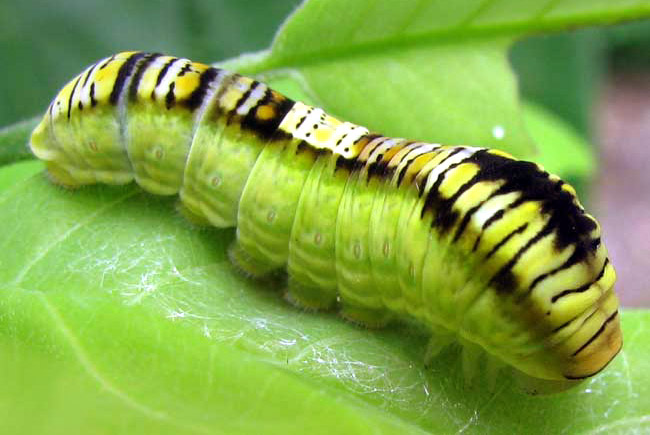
[[474, 245]]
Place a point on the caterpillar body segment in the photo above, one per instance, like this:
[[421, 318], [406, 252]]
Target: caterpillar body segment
[[471, 243]]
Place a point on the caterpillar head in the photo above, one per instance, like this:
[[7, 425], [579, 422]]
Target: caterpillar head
[[551, 311]]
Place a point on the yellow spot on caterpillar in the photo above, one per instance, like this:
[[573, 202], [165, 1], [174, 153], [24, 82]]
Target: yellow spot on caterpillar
[[148, 81], [104, 78], [229, 99], [215, 181], [388, 155], [500, 153], [569, 188], [185, 85], [458, 177], [318, 238], [414, 168], [265, 112], [323, 134], [92, 145], [270, 217]]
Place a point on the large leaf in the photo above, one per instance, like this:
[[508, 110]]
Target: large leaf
[[118, 316], [427, 70]]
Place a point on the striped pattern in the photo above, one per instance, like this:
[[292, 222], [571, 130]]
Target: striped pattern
[[468, 241]]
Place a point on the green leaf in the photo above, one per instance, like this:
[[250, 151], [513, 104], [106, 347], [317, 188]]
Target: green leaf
[[12, 174], [116, 313], [561, 150], [431, 71], [372, 23]]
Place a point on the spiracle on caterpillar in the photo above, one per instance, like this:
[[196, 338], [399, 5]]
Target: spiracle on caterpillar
[[474, 245]]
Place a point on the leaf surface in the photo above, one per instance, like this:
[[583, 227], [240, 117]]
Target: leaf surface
[[114, 308]]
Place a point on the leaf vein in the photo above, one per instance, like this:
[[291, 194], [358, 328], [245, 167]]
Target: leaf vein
[[37, 258], [95, 373]]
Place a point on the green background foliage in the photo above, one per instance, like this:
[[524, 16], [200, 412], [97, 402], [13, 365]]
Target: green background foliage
[[117, 316]]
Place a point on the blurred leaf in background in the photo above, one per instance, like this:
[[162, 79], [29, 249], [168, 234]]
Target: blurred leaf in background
[[44, 43], [562, 73]]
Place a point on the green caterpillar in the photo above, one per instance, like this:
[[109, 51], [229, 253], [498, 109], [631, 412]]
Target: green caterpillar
[[471, 243]]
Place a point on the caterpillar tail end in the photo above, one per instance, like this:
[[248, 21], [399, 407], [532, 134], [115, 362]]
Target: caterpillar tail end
[[40, 143]]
